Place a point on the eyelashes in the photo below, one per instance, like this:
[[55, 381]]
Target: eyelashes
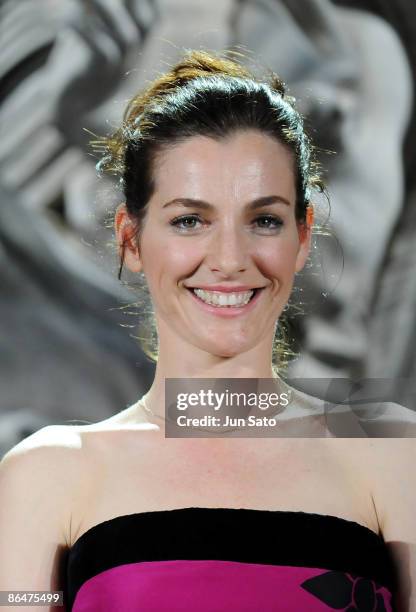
[[273, 223]]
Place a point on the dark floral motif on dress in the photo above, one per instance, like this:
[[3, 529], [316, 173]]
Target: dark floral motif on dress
[[342, 591]]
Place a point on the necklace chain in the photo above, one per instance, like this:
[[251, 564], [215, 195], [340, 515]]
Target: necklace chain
[[142, 402]]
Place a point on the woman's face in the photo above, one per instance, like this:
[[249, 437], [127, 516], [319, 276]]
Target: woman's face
[[222, 216]]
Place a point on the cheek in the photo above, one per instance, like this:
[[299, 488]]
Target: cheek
[[169, 260], [180, 256], [279, 259]]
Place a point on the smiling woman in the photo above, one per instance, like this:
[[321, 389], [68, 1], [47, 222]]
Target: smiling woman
[[239, 241], [202, 139], [218, 177]]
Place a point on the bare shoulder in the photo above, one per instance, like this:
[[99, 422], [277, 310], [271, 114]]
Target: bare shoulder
[[393, 478], [40, 477], [45, 468], [387, 467], [394, 494], [51, 442]]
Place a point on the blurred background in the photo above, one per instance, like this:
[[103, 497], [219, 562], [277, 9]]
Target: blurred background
[[68, 67]]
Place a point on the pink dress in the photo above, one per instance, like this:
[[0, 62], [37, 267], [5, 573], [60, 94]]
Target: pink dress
[[225, 559]]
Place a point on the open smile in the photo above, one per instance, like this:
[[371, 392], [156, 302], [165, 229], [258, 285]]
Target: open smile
[[226, 304]]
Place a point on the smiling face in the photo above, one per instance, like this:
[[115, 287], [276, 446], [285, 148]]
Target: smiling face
[[222, 213]]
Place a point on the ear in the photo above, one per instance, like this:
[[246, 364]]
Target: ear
[[305, 236], [126, 236]]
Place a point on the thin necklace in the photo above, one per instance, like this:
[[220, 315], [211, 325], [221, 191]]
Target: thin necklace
[[150, 411], [143, 403]]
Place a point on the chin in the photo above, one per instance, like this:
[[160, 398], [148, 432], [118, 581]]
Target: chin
[[227, 349]]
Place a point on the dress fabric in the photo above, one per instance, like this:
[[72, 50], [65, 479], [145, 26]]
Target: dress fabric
[[226, 559]]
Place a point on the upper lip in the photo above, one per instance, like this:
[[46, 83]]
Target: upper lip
[[225, 288]]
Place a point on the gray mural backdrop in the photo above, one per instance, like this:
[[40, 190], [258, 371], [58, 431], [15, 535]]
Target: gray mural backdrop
[[67, 69]]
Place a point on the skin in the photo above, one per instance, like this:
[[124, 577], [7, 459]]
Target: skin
[[227, 245]]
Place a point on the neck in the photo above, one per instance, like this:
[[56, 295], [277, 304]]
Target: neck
[[177, 362]]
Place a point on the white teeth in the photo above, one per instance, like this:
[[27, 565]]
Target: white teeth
[[218, 298]]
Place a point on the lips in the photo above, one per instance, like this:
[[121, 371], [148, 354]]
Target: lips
[[254, 290], [227, 311]]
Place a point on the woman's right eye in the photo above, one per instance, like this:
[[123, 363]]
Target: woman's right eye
[[179, 222]]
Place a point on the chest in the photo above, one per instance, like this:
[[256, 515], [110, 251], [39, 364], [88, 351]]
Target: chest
[[301, 475]]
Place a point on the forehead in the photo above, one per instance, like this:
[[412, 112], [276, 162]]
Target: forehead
[[245, 164]]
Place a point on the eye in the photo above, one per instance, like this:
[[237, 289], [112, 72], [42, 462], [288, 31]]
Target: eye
[[272, 222], [185, 222]]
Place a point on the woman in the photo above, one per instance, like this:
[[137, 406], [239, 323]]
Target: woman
[[218, 180]]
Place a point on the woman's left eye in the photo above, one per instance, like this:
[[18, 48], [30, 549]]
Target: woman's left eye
[[187, 222], [272, 221]]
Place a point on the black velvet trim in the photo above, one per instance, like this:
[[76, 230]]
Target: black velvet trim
[[273, 537]]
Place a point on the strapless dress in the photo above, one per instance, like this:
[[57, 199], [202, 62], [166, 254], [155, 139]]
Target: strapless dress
[[224, 559]]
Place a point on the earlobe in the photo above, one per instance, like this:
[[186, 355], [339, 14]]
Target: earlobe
[[126, 233]]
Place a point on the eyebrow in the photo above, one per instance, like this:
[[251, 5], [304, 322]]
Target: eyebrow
[[257, 203]]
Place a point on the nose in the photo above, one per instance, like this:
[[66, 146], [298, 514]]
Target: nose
[[228, 250]]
